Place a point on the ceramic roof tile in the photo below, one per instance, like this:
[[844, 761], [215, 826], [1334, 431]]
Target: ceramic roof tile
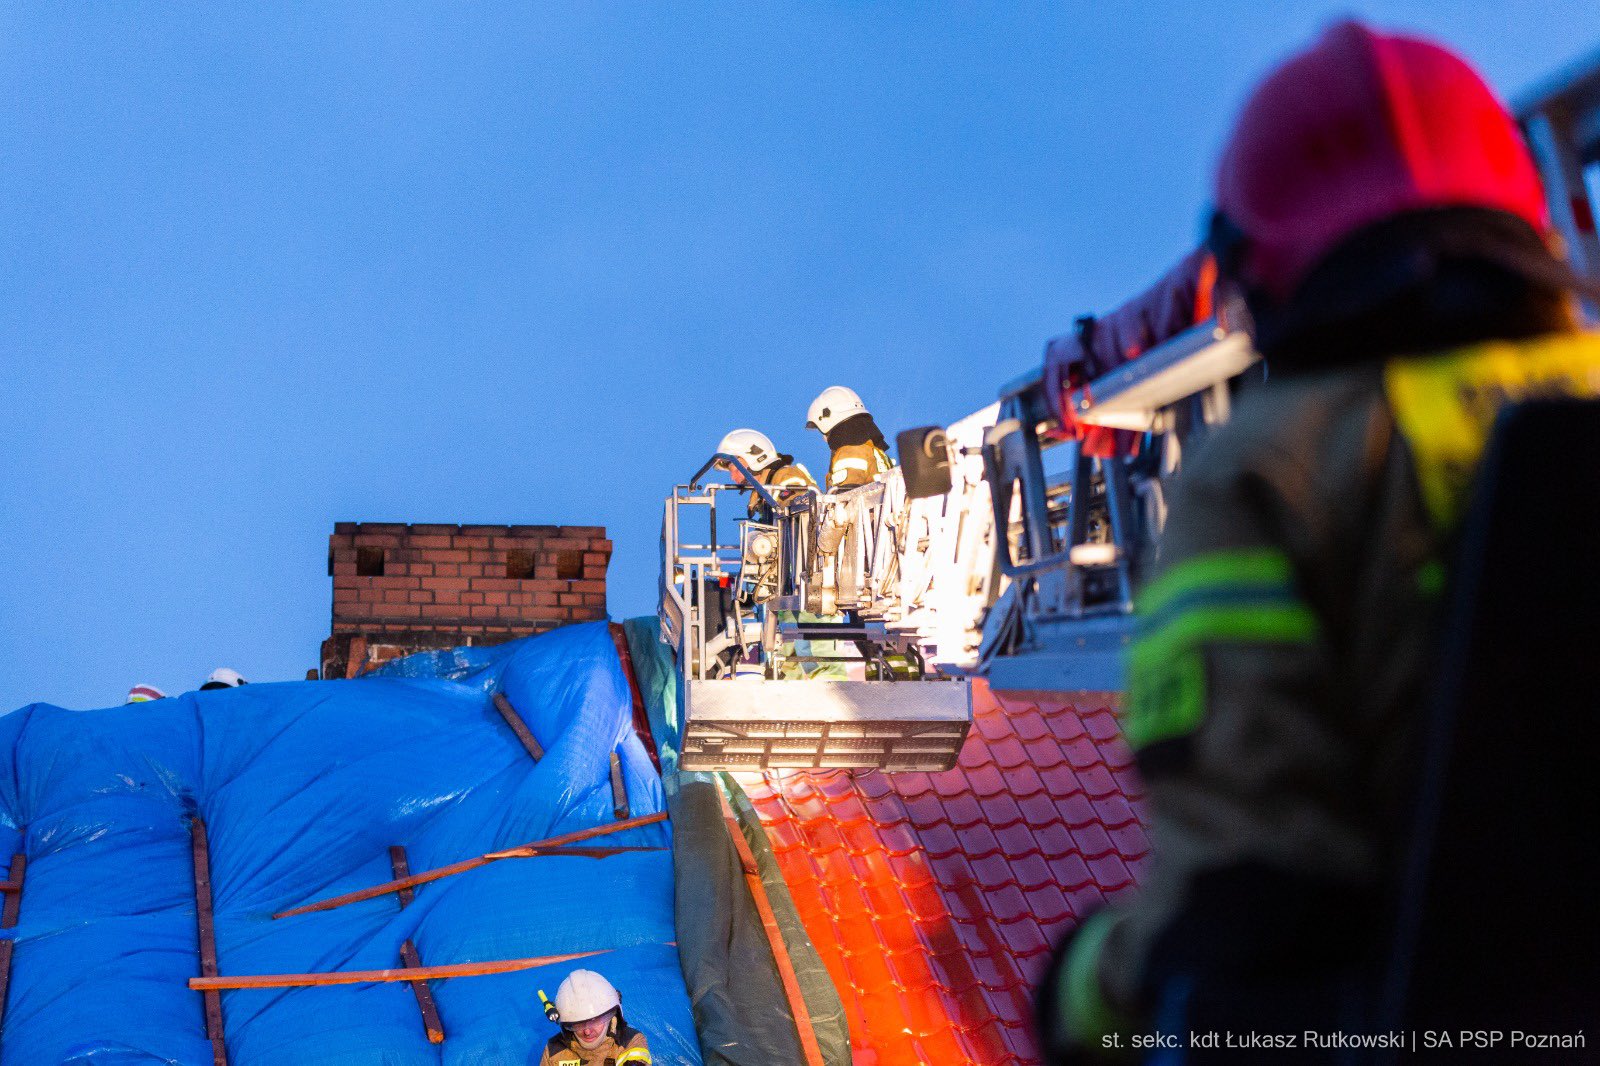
[[925, 809], [1031, 871], [1045, 753], [1038, 810], [986, 780], [1048, 904], [1097, 780], [1017, 840], [952, 784], [938, 839], [979, 842], [933, 898], [963, 810], [1071, 871], [1102, 726], [1002, 809], [1007, 903]]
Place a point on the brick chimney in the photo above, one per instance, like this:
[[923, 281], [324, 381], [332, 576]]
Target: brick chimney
[[399, 588]]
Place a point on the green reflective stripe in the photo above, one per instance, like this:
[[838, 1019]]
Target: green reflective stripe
[[1431, 578], [1214, 571], [1087, 1017], [1273, 623], [1167, 696]]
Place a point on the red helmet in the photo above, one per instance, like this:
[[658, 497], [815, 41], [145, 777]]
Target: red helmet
[[1359, 127]]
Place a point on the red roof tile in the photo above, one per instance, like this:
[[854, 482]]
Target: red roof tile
[[933, 899]]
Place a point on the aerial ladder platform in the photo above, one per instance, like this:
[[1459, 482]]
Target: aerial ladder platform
[[1561, 119], [842, 630]]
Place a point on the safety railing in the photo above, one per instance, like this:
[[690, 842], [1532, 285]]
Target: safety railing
[[1561, 118]]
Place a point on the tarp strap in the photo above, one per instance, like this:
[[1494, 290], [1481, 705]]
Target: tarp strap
[[518, 726], [8, 920], [365, 977], [208, 938], [408, 951], [641, 713], [552, 846], [619, 790]]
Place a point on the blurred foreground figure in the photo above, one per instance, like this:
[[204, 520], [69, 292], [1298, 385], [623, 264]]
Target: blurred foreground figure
[[1380, 212]]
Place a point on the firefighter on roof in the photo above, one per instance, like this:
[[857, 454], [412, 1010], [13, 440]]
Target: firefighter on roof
[[1381, 213], [859, 452], [592, 1030]]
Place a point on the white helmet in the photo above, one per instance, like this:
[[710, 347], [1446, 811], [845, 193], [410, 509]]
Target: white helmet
[[751, 447], [222, 677], [835, 404], [583, 996]]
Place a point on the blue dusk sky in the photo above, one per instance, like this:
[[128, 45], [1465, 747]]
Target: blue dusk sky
[[264, 267]]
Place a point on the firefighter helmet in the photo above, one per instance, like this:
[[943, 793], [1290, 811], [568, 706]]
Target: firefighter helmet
[[751, 447], [832, 406], [1360, 127], [223, 677], [584, 996]]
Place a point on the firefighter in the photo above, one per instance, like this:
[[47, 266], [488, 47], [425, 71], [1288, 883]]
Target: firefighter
[[223, 677], [859, 452], [1383, 218], [778, 473], [593, 1032], [784, 478]]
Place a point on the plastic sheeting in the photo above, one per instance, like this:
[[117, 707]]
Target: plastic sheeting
[[303, 787], [740, 1005]]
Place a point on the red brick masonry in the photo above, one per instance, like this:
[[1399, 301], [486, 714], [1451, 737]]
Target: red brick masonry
[[401, 588]]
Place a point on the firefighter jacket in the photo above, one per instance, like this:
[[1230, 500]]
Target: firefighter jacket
[[783, 479], [859, 452], [625, 1046], [856, 464], [1279, 673], [786, 477]]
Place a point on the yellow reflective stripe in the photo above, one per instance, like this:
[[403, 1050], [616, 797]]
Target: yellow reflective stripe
[[638, 1054], [1445, 405]]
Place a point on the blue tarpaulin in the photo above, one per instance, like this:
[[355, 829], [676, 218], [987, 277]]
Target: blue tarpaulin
[[303, 787]]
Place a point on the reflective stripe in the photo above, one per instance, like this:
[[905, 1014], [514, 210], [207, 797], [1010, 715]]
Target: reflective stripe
[[1087, 1018], [1237, 597], [842, 469], [638, 1054], [1445, 405], [1432, 578], [1264, 567]]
